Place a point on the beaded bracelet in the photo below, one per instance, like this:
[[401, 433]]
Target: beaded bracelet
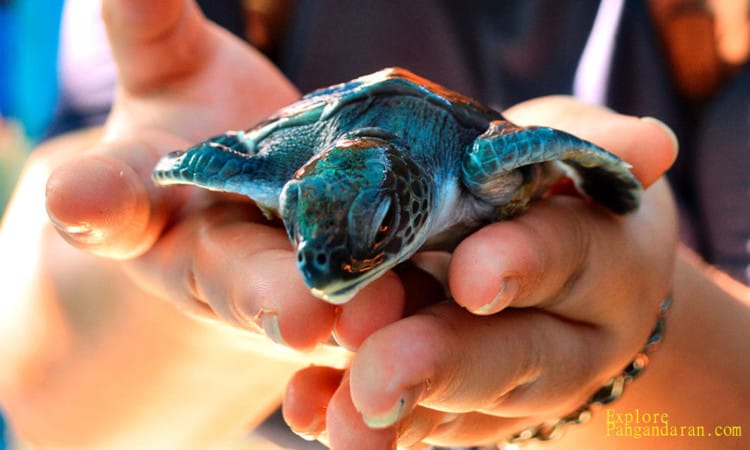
[[608, 393]]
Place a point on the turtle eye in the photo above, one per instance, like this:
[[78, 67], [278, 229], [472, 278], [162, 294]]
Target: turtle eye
[[371, 223], [384, 219]]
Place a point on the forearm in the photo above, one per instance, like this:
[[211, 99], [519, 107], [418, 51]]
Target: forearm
[[697, 379]]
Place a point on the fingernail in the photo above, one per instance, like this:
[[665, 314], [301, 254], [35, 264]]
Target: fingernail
[[314, 430], [270, 321], [666, 128], [81, 232], [504, 297], [403, 406], [335, 335]]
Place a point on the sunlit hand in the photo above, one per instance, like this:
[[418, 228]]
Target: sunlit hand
[[567, 293], [182, 79]]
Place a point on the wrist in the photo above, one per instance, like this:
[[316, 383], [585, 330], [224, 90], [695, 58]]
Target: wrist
[[692, 384]]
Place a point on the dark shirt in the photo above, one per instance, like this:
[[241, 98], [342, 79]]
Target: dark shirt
[[505, 52]]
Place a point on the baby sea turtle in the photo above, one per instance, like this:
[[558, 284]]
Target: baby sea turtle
[[366, 173]]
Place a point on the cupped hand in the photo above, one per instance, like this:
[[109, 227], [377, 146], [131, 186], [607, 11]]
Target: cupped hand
[[563, 297], [182, 79]]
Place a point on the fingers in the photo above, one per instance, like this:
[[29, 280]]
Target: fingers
[[105, 202], [530, 261], [538, 258], [224, 261], [306, 399], [526, 382], [317, 405], [313, 394], [572, 260], [564, 256], [647, 144], [174, 65], [446, 363], [316, 393], [396, 294], [225, 264], [378, 304], [347, 432], [155, 41], [447, 377]]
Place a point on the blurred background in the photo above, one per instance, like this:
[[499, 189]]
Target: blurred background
[[29, 34]]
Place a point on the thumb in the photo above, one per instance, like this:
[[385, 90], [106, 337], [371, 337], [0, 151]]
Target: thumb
[[155, 41], [105, 203], [646, 143]]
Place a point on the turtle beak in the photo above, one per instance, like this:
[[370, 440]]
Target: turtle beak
[[334, 298], [322, 272]]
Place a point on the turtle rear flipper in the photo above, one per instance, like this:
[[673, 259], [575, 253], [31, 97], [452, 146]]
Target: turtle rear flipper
[[510, 165]]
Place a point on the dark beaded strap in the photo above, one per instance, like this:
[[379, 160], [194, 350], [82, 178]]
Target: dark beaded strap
[[608, 393]]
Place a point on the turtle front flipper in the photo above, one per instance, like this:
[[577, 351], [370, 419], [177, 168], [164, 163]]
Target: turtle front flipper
[[510, 165], [228, 163]]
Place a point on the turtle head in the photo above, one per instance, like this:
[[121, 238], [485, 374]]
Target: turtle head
[[354, 211]]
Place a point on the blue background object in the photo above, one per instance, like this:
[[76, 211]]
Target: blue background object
[[6, 32], [3, 435], [29, 39]]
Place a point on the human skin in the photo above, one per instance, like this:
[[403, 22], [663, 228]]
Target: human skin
[[93, 355], [586, 303], [102, 346], [91, 360], [174, 66], [215, 257], [491, 375]]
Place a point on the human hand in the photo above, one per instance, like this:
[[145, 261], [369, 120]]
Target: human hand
[[182, 79], [582, 293]]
